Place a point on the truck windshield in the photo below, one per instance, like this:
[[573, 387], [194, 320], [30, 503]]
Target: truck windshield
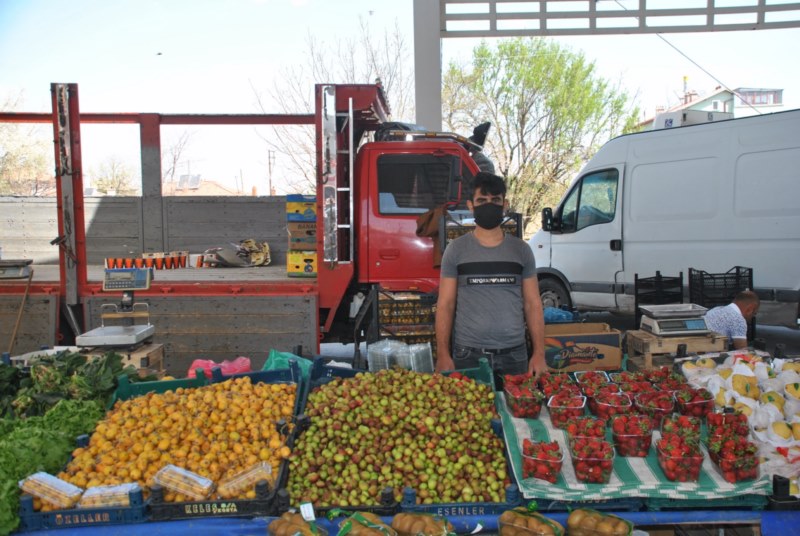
[[412, 184], [592, 201]]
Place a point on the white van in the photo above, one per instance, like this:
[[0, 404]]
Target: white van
[[710, 197]]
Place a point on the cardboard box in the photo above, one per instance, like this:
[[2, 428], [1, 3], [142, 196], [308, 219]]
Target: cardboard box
[[301, 263], [146, 358], [301, 207], [570, 347], [302, 235]]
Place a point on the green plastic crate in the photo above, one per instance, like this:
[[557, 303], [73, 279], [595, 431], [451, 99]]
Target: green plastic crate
[[482, 374], [127, 390]]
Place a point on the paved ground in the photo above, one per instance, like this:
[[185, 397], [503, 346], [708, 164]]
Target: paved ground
[[771, 335]]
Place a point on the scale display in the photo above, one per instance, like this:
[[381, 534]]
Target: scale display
[[127, 279], [674, 326]]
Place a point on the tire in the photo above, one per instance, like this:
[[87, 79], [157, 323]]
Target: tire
[[553, 293]]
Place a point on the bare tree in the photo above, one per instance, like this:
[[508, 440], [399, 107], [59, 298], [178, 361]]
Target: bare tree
[[171, 156], [361, 59], [26, 157], [114, 177]]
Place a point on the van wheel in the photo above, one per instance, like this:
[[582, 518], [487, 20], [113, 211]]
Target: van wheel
[[553, 294]]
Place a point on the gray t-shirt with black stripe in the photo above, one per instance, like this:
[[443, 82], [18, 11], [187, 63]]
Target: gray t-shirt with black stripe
[[489, 303]]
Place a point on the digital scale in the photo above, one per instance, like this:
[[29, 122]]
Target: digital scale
[[674, 319], [127, 280]]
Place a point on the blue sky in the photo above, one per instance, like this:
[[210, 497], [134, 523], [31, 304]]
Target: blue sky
[[204, 56]]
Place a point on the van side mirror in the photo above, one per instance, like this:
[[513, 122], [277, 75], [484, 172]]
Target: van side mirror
[[547, 219]]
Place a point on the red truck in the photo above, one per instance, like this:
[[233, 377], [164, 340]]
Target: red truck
[[369, 197]]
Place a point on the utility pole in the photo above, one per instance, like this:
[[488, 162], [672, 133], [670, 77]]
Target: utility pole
[[270, 165]]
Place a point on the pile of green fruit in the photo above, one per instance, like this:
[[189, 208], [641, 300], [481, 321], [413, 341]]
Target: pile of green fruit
[[396, 428]]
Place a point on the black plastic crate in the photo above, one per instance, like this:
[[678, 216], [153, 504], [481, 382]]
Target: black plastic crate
[[263, 505], [712, 290], [513, 496], [31, 520]]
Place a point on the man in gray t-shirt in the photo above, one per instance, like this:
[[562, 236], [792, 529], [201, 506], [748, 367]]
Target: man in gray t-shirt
[[488, 293]]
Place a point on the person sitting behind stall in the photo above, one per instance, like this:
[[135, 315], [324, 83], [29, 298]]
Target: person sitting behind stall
[[731, 320]]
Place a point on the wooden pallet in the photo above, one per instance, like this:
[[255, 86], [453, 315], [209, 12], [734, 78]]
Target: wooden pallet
[[644, 347]]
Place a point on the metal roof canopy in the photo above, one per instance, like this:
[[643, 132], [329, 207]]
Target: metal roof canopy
[[510, 18], [506, 18]]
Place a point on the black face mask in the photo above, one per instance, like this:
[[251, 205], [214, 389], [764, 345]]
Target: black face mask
[[488, 215]]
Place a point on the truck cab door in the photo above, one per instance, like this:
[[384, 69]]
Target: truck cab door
[[586, 242], [407, 186]]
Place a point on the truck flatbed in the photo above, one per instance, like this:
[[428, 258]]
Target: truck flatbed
[[48, 273]]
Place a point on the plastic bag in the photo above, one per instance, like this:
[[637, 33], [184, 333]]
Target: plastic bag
[[238, 365], [280, 360], [553, 315]]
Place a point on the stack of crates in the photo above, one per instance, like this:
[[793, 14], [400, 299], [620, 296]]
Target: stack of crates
[[301, 224], [408, 317]]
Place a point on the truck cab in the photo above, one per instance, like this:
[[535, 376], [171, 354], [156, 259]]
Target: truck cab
[[371, 195]]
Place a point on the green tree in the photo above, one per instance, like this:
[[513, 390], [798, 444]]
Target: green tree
[[550, 111]]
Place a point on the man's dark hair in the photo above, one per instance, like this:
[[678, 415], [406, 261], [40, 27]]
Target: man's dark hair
[[488, 183], [746, 296]]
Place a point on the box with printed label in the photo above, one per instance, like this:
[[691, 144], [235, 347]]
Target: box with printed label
[[302, 235], [570, 347], [301, 263], [301, 207]]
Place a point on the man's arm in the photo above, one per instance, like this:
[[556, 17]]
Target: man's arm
[[534, 318], [445, 312]]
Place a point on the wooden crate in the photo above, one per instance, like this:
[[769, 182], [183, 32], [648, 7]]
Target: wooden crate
[[147, 358], [643, 347]]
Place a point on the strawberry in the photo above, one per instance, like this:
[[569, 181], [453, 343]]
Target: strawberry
[[695, 402], [682, 425], [720, 424], [627, 377], [591, 378], [735, 457], [587, 426], [670, 382], [657, 405], [541, 460], [632, 434], [606, 405], [553, 383], [657, 374], [634, 388], [593, 389], [680, 458], [593, 459], [564, 407], [523, 400]]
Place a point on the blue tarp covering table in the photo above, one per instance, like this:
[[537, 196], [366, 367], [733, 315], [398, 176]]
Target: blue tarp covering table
[[770, 522]]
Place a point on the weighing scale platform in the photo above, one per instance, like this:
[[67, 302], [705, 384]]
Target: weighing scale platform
[[115, 335], [643, 347]]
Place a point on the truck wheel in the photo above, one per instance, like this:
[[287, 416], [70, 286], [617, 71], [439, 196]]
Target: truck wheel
[[553, 294]]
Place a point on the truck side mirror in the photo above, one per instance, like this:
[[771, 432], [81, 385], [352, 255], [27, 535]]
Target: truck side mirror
[[547, 219]]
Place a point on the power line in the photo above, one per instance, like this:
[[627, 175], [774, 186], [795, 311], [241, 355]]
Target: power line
[[696, 64]]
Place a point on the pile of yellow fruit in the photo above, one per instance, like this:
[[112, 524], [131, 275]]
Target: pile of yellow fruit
[[215, 431]]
